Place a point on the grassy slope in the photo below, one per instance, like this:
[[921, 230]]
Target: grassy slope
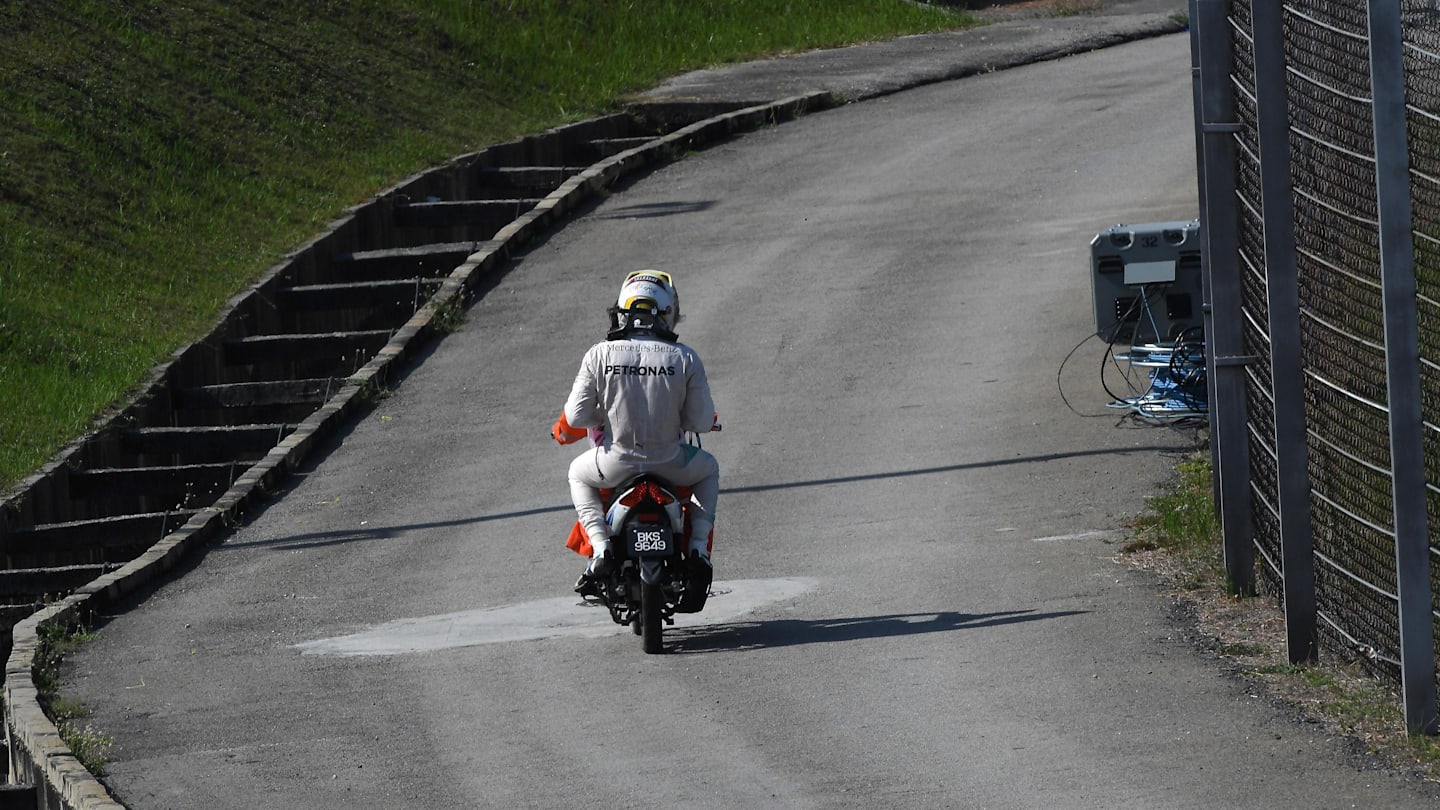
[[156, 157]]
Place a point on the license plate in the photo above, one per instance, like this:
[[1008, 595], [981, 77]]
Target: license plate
[[649, 540]]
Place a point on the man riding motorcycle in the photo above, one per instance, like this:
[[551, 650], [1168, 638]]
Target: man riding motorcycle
[[636, 394]]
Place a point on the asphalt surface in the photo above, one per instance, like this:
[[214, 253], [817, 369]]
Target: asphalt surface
[[916, 602], [885, 67]]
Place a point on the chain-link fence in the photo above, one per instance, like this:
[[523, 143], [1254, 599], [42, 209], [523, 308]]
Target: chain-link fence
[[1320, 180]]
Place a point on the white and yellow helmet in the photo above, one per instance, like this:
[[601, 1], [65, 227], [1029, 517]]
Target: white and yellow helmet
[[651, 291]]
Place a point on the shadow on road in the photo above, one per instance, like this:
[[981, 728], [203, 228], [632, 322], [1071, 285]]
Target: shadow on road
[[652, 210], [342, 536], [974, 465], [758, 635]]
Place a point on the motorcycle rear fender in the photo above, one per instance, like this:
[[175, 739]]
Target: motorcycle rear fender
[[652, 571]]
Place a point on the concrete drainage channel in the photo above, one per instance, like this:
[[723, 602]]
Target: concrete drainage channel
[[231, 415]]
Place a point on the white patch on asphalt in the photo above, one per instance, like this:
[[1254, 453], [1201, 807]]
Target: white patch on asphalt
[[1058, 538], [545, 618]]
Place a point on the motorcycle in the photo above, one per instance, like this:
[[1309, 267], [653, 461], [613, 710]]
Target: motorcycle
[[652, 576]]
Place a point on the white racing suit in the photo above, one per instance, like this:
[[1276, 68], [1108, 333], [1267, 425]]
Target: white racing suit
[[645, 392]]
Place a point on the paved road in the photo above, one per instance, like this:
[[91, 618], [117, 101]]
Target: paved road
[[917, 605]]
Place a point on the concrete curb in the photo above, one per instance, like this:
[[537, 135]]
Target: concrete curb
[[37, 754]]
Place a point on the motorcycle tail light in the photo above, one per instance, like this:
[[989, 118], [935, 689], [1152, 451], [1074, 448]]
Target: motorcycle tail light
[[646, 491]]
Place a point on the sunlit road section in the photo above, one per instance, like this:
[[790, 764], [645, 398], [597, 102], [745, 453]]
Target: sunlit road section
[[545, 618]]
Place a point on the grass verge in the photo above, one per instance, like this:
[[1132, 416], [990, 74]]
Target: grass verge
[[1178, 537], [159, 157], [87, 743]]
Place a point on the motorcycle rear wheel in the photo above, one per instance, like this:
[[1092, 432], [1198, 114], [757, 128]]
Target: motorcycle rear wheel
[[652, 624]]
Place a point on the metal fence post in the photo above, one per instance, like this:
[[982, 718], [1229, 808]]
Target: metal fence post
[[1224, 356], [1297, 550], [1197, 90], [1402, 365]]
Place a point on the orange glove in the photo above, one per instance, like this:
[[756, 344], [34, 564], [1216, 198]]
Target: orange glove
[[564, 434]]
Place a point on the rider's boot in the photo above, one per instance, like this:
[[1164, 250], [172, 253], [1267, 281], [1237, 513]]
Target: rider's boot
[[698, 575], [697, 562], [600, 566], [697, 559]]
